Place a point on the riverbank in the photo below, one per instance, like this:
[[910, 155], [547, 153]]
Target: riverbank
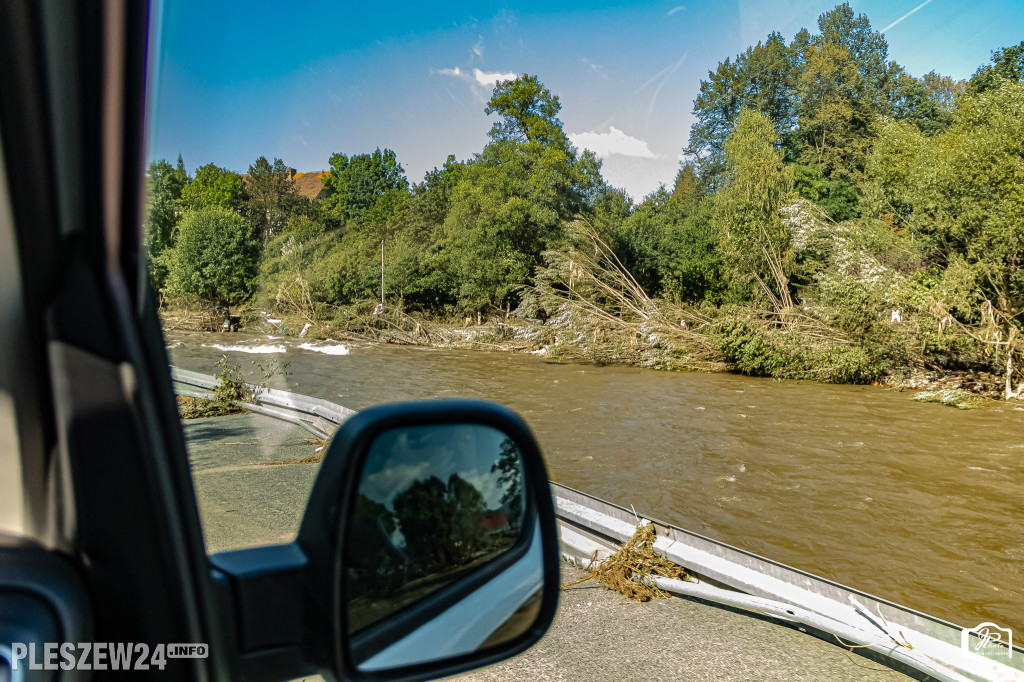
[[949, 380]]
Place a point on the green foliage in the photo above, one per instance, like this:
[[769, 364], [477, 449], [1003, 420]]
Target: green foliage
[[492, 237], [964, 187], [611, 208], [213, 257], [432, 198], [272, 198], [511, 202], [640, 241], [920, 102], [762, 350], [836, 121], [230, 391], [1007, 65], [164, 185], [867, 50], [355, 184], [890, 167], [528, 114], [753, 238], [762, 78], [691, 264], [818, 170], [231, 386], [837, 197], [213, 186]]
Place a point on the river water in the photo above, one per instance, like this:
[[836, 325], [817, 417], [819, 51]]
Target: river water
[[918, 503]]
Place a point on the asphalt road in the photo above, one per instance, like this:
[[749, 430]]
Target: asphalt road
[[249, 494], [601, 635]]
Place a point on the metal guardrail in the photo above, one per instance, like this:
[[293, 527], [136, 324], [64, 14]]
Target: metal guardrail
[[591, 524], [319, 417]]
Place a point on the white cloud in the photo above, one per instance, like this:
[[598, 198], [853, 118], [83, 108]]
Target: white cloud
[[478, 49], [639, 176], [383, 486], [613, 142], [490, 78], [677, 8], [486, 79]]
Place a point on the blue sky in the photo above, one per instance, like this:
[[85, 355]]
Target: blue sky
[[300, 81]]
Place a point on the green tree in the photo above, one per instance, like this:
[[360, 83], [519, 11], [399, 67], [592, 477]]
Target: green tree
[[271, 196], [763, 78], [164, 185], [753, 238], [715, 110], [1007, 65], [915, 101], [867, 48], [214, 186], [888, 190], [964, 186], [836, 124], [435, 193], [426, 517], [638, 243], [512, 199], [468, 509], [943, 90], [527, 114], [691, 262], [355, 184], [213, 257], [557, 179], [491, 239], [838, 197], [509, 467], [611, 209], [687, 192]]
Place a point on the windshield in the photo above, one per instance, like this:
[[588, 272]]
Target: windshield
[[753, 268]]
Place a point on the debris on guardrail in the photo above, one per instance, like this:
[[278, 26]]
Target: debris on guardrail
[[626, 571]]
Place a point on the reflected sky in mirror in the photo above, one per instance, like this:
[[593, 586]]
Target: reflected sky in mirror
[[401, 457], [433, 503]]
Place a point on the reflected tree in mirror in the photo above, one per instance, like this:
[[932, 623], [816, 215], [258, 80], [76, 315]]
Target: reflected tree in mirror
[[434, 504]]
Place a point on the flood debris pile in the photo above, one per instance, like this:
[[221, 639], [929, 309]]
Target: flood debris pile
[[952, 397], [627, 570], [586, 305], [595, 310], [197, 408], [230, 392]]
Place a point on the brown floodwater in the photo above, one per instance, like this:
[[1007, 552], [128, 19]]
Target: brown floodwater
[[918, 503]]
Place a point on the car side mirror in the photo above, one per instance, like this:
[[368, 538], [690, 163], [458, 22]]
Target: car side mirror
[[428, 548]]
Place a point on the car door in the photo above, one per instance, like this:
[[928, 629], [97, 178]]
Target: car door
[[103, 475]]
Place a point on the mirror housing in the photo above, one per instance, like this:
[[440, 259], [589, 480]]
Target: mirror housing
[[290, 605]]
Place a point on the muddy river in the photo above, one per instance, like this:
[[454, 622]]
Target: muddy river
[[918, 503]]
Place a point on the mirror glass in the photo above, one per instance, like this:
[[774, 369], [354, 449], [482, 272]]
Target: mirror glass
[[429, 570]]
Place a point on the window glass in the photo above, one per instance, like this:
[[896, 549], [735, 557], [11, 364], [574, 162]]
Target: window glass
[[738, 264]]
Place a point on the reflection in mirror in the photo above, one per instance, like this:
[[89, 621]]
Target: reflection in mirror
[[435, 505]]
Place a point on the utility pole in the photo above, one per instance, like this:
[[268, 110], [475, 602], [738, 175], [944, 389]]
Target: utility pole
[[382, 274]]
